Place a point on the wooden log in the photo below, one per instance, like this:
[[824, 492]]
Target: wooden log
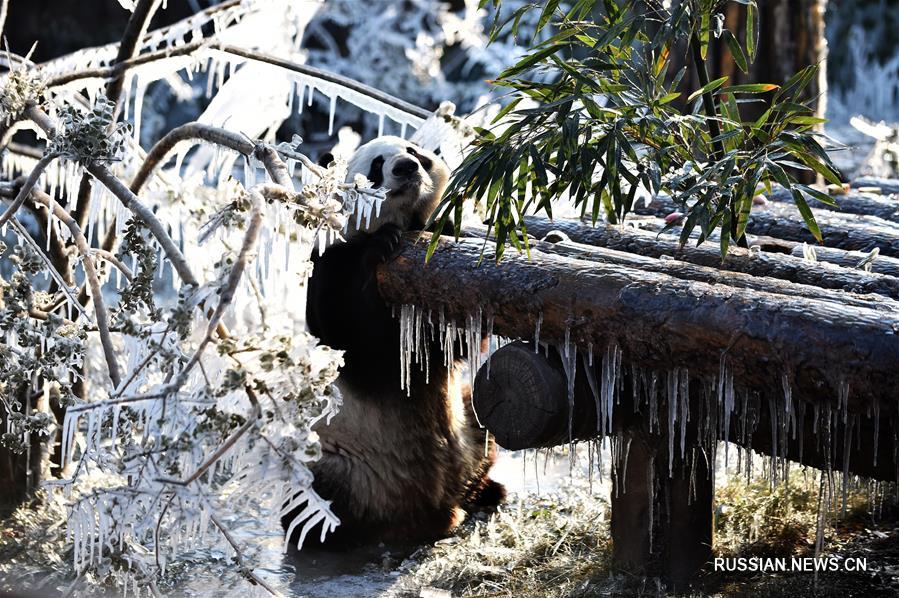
[[522, 394], [887, 186], [657, 320], [854, 202], [661, 524], [831, 255], [772, 265], [535, 414], [687, 271], [852, 259], [851, 232]]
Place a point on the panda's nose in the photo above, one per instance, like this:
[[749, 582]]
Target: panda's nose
[[405, 167]]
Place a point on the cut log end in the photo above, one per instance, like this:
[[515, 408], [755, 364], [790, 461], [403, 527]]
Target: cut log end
[[517, 398]]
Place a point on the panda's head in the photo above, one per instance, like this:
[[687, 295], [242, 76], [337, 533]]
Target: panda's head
[[414, 178]]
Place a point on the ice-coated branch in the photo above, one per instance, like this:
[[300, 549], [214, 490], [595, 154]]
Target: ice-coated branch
[[274, 165], [146, 215], [115, 261], [238, 555], [227, 293], [23, 234], [310, 71], [220, 452], [90, 273], [120, 68], [190, 131], [128, 48], [27, 187], [4, 5], [130, 44]]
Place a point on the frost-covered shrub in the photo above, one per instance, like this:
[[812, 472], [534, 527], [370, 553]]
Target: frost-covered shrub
[[199, 385]]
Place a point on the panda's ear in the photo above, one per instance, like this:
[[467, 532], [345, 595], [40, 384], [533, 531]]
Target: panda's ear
[[376, 172], [325, 159]]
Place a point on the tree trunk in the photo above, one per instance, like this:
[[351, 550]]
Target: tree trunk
[[657, 320], [774, 265], [791, 37]]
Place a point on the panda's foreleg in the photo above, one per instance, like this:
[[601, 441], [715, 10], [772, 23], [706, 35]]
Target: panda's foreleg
[[344, 308]]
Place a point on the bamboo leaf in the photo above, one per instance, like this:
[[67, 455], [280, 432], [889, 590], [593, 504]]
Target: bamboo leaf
[[736, 51], [749, 88], [807, 215], [708, 87], [751, 30]]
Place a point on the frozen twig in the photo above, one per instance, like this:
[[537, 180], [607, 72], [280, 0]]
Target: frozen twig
[[227, 293], [129, 47], [115, 261], [146, 215], [90, 273], [25, 189], [190, 131], [22, 232], [4, 5], [238, 555], [384, 98], [220, 452]]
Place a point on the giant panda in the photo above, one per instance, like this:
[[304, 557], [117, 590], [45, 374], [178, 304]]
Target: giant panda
[[395, 467]]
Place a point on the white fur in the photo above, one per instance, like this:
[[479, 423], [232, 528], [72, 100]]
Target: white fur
[[407, 200]]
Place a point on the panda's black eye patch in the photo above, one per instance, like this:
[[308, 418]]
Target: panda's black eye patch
[[376, 171], [425, 162]]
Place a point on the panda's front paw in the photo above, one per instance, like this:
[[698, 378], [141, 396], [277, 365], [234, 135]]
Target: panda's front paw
[[384, 243]]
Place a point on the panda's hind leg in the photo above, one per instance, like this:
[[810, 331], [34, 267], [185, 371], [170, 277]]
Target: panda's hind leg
[[482, 492]]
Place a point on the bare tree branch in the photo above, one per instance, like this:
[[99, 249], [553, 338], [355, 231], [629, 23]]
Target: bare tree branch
[[90, 273], [26, 188]]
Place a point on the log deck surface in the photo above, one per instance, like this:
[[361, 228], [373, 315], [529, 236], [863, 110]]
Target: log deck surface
[[657, 319]]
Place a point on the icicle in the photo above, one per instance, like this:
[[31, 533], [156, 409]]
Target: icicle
[[138, 105], [788, 402], [726, 397], [331, 110], [843, 399], [876, 429], [407, 348], [569, 361], [684, 393], [611, 370], [672, 417], [537, 332]]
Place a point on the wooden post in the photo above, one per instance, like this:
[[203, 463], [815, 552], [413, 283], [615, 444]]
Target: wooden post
[[661, 524], [661, 519]]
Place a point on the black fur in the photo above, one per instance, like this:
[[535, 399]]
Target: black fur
[[376, 171], [345, 311], [437, 467]]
